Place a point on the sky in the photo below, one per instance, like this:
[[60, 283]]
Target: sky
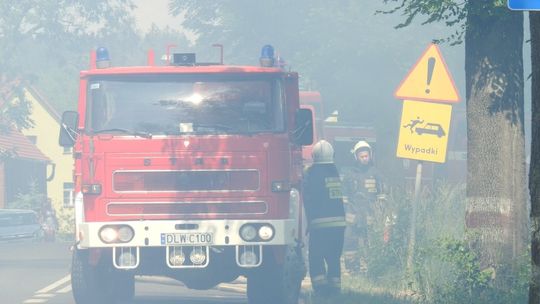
[[154, 11]]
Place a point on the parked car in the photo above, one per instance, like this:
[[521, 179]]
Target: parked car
[[17, 224]]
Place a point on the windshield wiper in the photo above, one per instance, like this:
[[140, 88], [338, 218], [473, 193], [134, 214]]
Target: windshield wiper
[[126, 131]]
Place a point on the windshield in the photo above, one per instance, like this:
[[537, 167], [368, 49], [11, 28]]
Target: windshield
[[179, 104]]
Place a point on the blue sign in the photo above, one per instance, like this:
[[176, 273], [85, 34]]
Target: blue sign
[[524, 5]]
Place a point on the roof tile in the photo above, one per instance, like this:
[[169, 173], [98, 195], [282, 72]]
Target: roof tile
[[21, 146]]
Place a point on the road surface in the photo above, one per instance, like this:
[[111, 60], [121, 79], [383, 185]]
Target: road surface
[[39, 273]]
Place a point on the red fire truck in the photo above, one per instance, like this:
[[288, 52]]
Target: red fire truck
[[187, 170], [343, 136]]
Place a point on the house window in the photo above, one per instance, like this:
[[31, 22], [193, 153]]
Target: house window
[[69, 195]]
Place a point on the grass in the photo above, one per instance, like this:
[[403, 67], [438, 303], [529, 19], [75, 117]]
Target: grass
[[350, 297], [359, 290]]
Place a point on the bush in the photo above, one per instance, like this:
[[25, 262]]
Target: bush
[[451, 273], [386, 256], [446, 269], [33, 199], [66, 224]]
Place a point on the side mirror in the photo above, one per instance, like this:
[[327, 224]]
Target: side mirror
[[68, 129], [303, 131]]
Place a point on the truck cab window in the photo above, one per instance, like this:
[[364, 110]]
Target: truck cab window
[[167, 104]]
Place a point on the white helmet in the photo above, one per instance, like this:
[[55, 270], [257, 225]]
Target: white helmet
[[362, 144], [323, 152]]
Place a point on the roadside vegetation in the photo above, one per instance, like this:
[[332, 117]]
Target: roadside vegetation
[[66, 224], [445, 269]]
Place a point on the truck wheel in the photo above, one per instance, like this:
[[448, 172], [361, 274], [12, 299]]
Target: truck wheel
[[100, 283], [273, 283]]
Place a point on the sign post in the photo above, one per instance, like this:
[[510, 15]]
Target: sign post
[[425, 122]]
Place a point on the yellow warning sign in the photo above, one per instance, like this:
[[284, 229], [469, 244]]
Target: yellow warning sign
[[424, 130], [429, 80]]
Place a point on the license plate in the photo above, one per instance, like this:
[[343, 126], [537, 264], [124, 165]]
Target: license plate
[[187, 238]]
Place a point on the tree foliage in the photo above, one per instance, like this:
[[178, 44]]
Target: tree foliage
[[14, 107], [451, 13], [46, 43], [23, 23], [332, 45], [41, 43], [32, 199]]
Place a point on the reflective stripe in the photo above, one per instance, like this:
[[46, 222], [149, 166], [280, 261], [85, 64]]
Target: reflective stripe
[[337, 221], [329, 225], [328, 220]]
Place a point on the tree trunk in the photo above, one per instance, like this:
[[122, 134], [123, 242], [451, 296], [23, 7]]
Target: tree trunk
[[534, 172], [496, 201]]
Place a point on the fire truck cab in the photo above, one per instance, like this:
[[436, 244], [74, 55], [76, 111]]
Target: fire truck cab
[[187, 170], [343, 136]]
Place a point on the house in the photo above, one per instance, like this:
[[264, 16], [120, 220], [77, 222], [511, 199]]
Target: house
[[44, 135], [22, 168]]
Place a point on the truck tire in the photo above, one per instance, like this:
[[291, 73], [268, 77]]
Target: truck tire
[[100, 283], [273, 283]]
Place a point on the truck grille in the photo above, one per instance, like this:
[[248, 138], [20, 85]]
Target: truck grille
[[184, 181], [186, 208]]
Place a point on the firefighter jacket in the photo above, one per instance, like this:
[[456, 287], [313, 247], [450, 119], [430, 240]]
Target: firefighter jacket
[[362, 183], [323, 197]]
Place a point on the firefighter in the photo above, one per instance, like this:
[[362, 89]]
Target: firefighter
[[363, 188], [323, 204]]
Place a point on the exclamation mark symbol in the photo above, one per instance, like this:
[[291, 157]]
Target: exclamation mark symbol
[[430, 67]]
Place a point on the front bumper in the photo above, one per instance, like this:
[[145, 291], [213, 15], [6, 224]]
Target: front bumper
[[149, 233]]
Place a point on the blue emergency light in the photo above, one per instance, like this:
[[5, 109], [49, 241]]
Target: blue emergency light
[[102, 58], [267, 56], [524, 5], [102, 54]]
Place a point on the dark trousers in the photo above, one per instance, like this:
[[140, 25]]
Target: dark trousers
[[325, 249]]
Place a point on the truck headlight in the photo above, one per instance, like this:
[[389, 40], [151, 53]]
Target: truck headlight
[[108, 234], [116, 234], [125, 234], [266, 232], [248, 232]]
